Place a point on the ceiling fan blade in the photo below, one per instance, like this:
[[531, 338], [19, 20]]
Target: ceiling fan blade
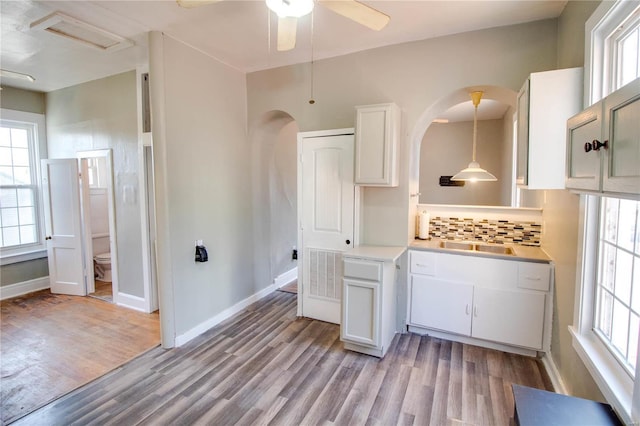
[[358, 12], [188, 4], [287, 27]]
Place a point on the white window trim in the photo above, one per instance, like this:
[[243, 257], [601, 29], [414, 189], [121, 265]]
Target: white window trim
[[37, 250], [611, 378], [619, 389], [598, 27]]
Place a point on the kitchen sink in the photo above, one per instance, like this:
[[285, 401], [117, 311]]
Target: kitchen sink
[[457, 245], [494, 249], [483, 248]]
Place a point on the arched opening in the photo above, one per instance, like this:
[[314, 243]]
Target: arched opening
[[424, 133], [273, 140]]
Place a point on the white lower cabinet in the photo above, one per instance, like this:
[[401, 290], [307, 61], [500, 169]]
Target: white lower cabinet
[[513, 317], [361, 318], [496, 301], [368, 305], [442, 305]]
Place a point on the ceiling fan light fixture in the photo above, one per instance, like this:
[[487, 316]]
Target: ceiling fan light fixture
[[290, 8]]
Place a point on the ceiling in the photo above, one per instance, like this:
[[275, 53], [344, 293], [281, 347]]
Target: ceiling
[[240, 33]]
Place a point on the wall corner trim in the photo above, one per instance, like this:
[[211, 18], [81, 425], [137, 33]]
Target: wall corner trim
[[554, 374], [227, 313], [286, 277], [24, 287]]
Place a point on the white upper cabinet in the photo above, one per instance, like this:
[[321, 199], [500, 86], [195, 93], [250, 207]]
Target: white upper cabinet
[[377, 134], [621, 162], [583, 163], [545, 102], [603, 144]]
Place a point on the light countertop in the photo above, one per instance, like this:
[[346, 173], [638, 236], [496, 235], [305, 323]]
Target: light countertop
[[382, 253], [527, 253]]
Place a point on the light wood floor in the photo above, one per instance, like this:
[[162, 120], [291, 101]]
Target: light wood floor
[[51, 344], [264, 366]]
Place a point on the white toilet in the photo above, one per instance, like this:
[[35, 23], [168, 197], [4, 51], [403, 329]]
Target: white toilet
[[103, 266]]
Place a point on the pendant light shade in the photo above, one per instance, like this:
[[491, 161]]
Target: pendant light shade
[[474, 173]]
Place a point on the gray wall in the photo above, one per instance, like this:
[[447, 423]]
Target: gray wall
[[446, 149], [101, 114], [27, 101], [202, 165]]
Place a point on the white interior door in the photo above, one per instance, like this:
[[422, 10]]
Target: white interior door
[[63, 226], [327, 199]]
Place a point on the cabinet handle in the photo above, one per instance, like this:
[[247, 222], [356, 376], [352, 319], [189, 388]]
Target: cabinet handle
[[466, 310], [475, 311], [532, 278], [597, 145], [421, 265], [588, 146]]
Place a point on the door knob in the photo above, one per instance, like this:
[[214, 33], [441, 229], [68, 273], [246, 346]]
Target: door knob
[[597, 145], [588, 146]]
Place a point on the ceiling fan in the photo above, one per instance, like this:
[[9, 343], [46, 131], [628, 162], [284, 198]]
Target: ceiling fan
[[289, 11]]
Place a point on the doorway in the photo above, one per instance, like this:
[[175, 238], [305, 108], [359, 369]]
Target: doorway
[[98, 222]]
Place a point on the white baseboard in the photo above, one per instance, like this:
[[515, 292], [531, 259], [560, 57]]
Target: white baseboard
[[285, 278], [24, 287], [554, 374], [131, 302], [227, 313]]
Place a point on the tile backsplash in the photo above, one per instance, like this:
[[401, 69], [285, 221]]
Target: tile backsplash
[[501, 231]]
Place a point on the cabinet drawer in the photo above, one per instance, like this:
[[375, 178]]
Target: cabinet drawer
[[363, 269], [423, 263], [534, 276]]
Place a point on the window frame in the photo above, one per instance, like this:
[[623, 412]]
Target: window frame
[[38, 148], [618, 387]]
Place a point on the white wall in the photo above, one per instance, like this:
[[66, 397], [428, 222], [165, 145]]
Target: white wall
[[101, 114], [415, 76], [202, 165], [447, 148]]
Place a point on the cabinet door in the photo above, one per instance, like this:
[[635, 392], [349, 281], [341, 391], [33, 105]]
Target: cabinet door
[[583, 162], [511, 317], [376, 140], [439, 304], [522, 135], [621, 169], [361, 312]]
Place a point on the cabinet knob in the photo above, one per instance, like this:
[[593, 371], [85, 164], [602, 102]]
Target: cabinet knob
[[348, 242], [588, 146], [597, 145], [47, 238]]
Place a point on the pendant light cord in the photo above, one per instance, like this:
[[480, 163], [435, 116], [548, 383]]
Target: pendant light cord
[[475, 130], [311, 100]]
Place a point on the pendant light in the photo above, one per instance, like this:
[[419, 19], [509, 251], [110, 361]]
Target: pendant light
[[474, 172]]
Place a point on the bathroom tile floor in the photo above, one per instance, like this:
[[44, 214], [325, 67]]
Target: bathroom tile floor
[[50, 344]]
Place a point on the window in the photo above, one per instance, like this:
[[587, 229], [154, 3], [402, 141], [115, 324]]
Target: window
[[21, 227], [607, 323], [617, 306]]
